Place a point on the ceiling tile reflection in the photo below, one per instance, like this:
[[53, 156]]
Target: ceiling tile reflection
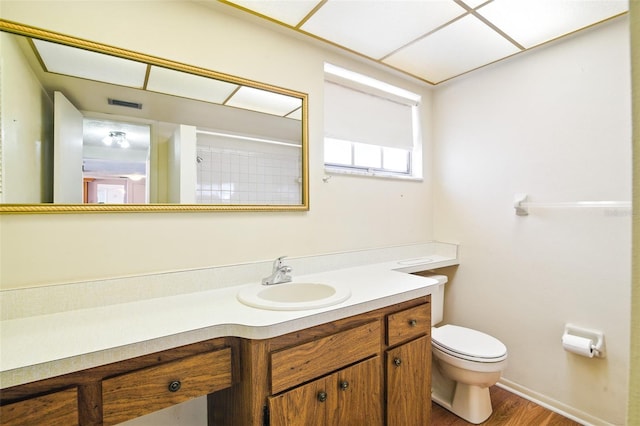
[[263, 101], [61, 59], [177, 83]]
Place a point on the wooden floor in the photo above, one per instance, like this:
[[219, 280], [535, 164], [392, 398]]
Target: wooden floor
[[508, 410]]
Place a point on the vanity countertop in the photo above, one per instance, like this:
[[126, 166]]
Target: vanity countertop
[[38, 347]]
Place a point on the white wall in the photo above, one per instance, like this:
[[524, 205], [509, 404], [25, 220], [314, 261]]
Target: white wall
[[24, 105], [346, 213], [554, 123], [181, 168]]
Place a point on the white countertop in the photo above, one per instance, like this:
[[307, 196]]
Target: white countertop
[[43, 346]]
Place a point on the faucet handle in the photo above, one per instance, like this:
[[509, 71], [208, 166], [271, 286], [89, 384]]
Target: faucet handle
[[278, 262]]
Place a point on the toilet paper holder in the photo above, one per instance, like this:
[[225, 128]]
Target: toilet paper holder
[[596, 338]]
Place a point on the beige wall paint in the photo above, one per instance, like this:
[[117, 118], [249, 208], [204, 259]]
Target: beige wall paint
[[346, 213], [554, 123]]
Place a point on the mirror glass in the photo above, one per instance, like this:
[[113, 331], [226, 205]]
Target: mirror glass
[[94, 128]]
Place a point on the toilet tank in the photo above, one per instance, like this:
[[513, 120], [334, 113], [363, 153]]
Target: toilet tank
[[437, 299]]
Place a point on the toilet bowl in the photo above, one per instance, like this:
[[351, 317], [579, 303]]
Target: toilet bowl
[[466, 363]]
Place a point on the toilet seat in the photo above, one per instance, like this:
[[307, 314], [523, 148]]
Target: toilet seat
[[468, 344]]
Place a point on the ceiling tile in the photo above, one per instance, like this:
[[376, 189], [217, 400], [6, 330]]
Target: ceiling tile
[[67, 60], [377, 28], [462, 46], [177, 83], [286, 11], [264, 101], [532, 22], [296, 115], [474, 3]]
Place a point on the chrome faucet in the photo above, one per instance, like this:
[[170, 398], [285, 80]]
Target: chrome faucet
[[280, 273]]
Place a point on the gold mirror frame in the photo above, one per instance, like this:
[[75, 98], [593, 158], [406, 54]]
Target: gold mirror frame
[[28, 31]]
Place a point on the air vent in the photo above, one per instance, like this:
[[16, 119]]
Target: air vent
[[127, 104]]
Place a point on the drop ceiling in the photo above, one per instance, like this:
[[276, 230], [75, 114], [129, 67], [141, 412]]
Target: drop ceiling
[[99, 67], [434, 40]]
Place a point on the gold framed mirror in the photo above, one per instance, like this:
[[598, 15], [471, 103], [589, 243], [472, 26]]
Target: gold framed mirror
[[94, 128]]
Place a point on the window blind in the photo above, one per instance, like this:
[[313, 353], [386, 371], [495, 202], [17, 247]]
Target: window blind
[[356, 116]]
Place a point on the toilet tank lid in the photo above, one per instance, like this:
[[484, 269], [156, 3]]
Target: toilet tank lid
[[469, 342]]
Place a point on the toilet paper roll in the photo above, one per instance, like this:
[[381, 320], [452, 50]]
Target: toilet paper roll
[[578, 345]]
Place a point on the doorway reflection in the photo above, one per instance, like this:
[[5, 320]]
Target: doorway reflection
[[115, 162]]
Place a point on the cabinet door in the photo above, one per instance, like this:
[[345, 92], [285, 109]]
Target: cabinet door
[[409, 383], [303, 406], [352, 396], [359, 394]]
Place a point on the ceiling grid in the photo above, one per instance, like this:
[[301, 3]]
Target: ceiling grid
[[434, 40]]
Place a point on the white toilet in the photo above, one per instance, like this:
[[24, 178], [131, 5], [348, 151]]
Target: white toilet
[[465, 363]]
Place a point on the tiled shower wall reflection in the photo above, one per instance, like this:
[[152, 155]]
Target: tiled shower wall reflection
[[242, 172]]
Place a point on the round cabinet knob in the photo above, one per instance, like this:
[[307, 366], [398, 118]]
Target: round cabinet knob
[[322, 396], [413, 323], [344, 385], [397, 362], [175, 386]]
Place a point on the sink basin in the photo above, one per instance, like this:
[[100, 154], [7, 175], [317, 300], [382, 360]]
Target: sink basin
[[293, 296]]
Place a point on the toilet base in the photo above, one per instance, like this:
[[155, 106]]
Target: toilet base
[[469, 402], [472, 403]]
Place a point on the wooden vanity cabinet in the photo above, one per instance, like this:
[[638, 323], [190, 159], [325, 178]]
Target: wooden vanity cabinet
[[298, 364], [141, 392], [372, 368], [297, 378], [112, 393], [340, 398], [57, 408], [408, 379], [349, 397], [408, 384]]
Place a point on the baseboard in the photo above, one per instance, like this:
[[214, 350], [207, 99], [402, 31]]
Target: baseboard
[[551, 404]]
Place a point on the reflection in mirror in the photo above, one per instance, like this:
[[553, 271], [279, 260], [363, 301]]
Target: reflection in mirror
[[87, 128], [115, 167]]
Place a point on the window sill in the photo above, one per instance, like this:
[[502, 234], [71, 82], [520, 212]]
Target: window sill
[[383, 175]]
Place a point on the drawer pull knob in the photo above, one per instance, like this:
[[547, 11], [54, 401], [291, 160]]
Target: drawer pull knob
[[322, 396], [413, 323], [344, 385], [175, 386], [397, 362]]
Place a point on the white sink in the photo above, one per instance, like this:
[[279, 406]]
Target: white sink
[[293, 296]]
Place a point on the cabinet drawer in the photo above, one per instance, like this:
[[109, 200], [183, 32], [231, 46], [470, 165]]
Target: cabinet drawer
[[292, 366], [59, 408], [144, 391], [407, 324]]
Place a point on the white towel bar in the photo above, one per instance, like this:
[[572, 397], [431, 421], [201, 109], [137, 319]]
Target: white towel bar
[[522, 205]]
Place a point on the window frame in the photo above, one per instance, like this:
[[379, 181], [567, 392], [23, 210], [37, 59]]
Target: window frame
[[370, 86], [374, 171]]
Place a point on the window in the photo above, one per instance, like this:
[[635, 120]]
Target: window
[[371, 127]]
